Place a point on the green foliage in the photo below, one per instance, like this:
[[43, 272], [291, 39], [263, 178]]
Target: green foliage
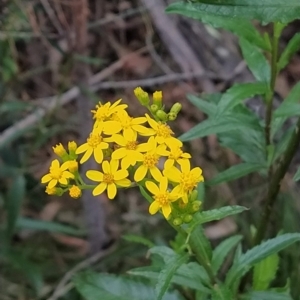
[[297, 175], [268, 296], [221, 293], [138, 239]]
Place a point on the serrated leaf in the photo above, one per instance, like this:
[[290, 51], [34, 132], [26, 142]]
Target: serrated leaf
[[221, 293], [238, 93], [297, 175], [245, 28], [166, 274], [216, 214], [265, 272], [203, 105], [14, 200], [40, 225], [292, 47], [235, 172], [268, 295], [257, 254], [256, 61], [265, 11], [110, 287], [222, 251], [137, 239]]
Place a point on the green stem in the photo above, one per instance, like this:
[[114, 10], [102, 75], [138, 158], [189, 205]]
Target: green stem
[[275, 182]]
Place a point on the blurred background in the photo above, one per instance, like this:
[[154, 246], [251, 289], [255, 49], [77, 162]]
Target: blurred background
[[58, 58]]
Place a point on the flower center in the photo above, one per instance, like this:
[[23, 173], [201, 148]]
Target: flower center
[[101, 113], [108, 178], [162, 199], [55, 173], [94, 140], [125, 122], [164, 131], [188, 182], [150, 160], [131, 145], [175, 154]]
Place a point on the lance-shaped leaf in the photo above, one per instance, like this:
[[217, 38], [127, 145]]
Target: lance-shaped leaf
[[297, 175]]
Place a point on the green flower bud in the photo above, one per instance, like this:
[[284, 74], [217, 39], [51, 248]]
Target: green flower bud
[[187, 218], [162, 115], [196, 206], [172, 116], [142, 96], [194, 195], [154, 108], [157, 98], [176, 108], [177, 221]]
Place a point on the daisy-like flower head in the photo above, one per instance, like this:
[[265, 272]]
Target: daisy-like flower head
[[121, 121], [187, 179], [149, 162], [109, 179], [163, 133], [103, 112], [94, 145], [129, 151], [174, 154], [57, 174], [162, 197]]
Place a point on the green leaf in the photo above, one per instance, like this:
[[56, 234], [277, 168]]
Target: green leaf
[[216, 214], [221, 293], [110, 287], [239, 92], [190, 275], [222, 251], [268, 295], [265, 272], [257, 254], [292, 47], [200, 244], [245, 28], [288, 110], [235, 172], [166, 274], [256, 61], [14, 198], [265, 11], [145, 194], [203, 105], [297, 175], [28, 223], [137, 239]]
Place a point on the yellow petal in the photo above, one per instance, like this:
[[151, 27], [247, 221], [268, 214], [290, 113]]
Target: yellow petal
[[111, 127], [155, 172], [52, 183], [86, 155], [82, 148], [151, 122], [196, 172], [129, 134], [163, 184], [106, 167], [185, 166], [65, 166], [123, 182], [119, 153], [103, 145], [145, 147], [68, 174], [99, 189], [173, 174], [114, 165], [169, 163], [55, 164], [173, 142], [173, 196], [140, 173], [142, 130], [98, 154], [121, 174], [154, 207], [126, 162], [166, 210], [152, 187], [186, 155], [63, 181], [118, 139], [46, 178], [139, 120], [94, 175], [111, 191]]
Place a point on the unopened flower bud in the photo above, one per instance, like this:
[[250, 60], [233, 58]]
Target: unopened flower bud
[[59, 150], [75, 192], [172, 116], [196, 206], [73, 166], [176, 108], [154, 108], [177, 221], [161, 115], [194, 195], [157, 98], [142, 96], [187, 218]]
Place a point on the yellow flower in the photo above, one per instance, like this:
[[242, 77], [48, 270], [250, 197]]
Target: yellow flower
[[149, 163], [142, 96], [162, 197], [163, 133], [122, 121], [109, 179], [157, 97], [103, 112], [50, 191], [57, 174], [175, 154], [130, 151], [74, 191], [187, 179], [94, 145], [59, 150]]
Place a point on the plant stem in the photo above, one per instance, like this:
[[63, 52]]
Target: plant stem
[[275, 181]]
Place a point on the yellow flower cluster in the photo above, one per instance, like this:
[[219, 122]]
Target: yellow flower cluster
[[132, 151]]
